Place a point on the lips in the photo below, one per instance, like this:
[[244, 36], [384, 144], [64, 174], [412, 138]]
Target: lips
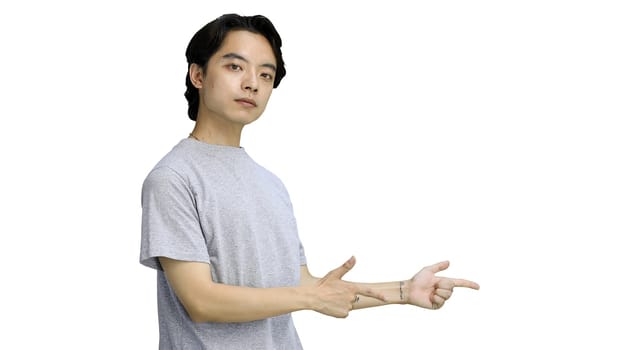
[[247, 102]]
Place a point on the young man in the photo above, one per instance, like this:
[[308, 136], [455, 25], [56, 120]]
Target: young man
[[220, 229]]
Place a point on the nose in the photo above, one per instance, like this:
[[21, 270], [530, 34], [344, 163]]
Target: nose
[[250, 82]]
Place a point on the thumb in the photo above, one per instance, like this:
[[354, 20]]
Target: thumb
[[343, 269], [438, 267]]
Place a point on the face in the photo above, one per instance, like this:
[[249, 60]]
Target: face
[[238, 81]]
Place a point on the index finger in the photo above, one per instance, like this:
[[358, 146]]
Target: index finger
[[458, 282]]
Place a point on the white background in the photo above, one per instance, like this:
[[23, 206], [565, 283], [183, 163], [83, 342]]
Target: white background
[[483, 132]]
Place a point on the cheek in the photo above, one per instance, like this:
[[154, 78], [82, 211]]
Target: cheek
[[267, 95], [214, 87], [212, 96], [213, 80]]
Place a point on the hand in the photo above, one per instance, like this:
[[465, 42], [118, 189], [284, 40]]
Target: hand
[[429, 291], [335, 297]]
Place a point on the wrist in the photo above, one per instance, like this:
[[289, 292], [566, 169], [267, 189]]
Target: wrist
[[307, 298], [403, 292]]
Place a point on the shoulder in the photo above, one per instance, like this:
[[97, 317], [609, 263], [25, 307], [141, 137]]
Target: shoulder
[[170, 170], [177, 160], [162, 174], [177, 156]]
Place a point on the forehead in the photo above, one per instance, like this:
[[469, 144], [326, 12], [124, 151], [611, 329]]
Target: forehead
[[253, 46]]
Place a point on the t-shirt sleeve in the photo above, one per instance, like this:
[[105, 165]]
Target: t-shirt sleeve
[[170, 221]]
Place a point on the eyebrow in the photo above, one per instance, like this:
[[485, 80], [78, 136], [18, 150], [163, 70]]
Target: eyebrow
[[242, 58]]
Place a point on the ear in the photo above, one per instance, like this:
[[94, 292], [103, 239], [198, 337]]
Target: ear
[[195, 72]]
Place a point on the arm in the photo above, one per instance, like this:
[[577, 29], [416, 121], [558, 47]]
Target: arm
[[425, 289], [208, 301]]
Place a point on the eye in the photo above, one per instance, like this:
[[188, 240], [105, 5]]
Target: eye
[[234, 67], [267, 76]]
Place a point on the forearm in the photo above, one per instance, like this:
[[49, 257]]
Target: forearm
[[225, 303], [394, 293]]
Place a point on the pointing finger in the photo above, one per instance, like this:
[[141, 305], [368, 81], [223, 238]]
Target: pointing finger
[[465, 283], [446, 283]]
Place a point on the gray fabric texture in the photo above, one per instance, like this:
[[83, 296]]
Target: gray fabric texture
[[214, 204]]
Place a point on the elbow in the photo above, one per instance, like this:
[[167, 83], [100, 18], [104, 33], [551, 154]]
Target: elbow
[[201, 313], [200, 305], [198, 313]]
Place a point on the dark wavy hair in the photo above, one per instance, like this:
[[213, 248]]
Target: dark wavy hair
[[209, 39]]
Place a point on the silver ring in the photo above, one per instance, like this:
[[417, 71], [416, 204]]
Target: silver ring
[[356, 300]]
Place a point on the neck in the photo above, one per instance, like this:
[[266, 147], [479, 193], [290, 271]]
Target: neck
[[209, 130]]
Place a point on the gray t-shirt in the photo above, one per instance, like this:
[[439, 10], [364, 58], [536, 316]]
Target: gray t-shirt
[[214, 204]]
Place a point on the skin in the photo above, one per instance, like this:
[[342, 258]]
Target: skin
[[234, 90]]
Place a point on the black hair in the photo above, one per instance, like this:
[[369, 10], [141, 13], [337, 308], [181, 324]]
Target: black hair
[[209, 39]]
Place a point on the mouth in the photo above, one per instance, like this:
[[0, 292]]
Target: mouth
[[246, 102]]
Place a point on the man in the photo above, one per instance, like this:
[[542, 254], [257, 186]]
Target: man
[[220, 229]]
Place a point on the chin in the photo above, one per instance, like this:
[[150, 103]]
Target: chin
[[247, 119]]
